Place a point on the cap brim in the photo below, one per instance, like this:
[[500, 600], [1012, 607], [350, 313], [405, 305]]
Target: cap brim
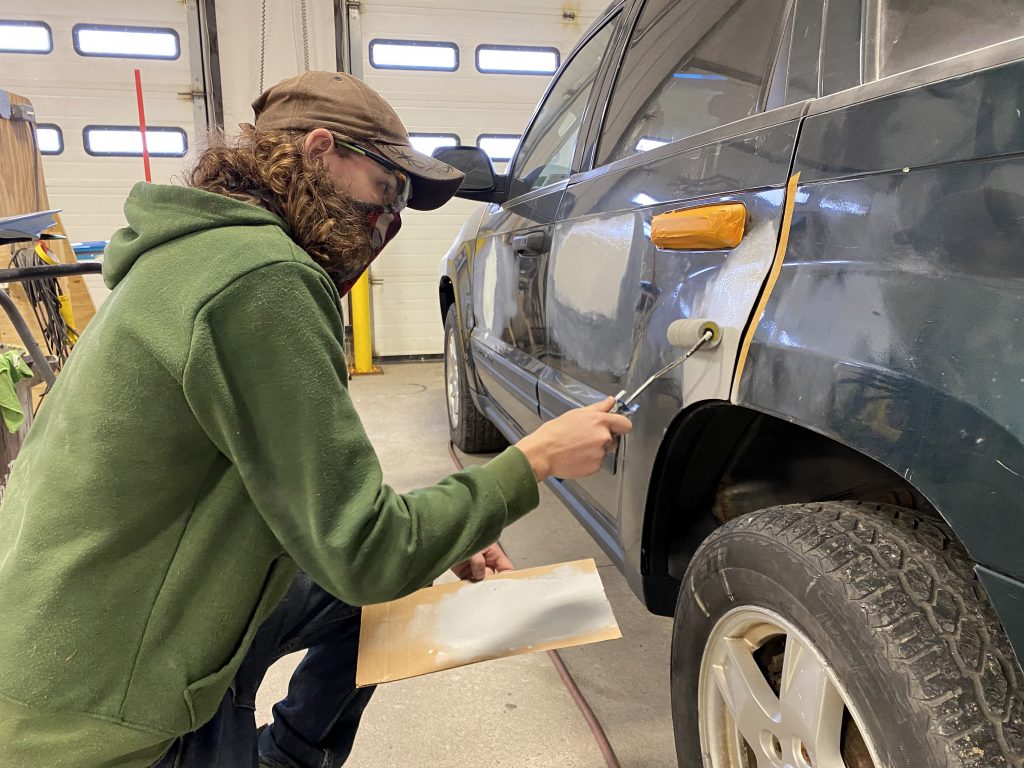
[[433, 183]]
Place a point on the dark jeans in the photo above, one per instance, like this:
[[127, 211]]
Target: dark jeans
[[315, 725]]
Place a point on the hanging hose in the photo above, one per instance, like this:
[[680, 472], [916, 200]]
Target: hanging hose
[[596, 729], [50, 304]]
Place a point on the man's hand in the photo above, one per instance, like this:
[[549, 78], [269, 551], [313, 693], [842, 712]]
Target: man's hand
[[492, 560], [576, 443]]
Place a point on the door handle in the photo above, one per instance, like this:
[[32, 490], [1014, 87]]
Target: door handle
[[530, 244], [706, 228]]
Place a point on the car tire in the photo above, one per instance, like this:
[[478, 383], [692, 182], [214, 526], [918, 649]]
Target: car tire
[[840, 635], [470, 430]]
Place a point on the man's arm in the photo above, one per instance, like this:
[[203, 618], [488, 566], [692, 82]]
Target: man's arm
[[265, 378]]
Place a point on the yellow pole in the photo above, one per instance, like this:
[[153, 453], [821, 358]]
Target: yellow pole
[[362, 343]]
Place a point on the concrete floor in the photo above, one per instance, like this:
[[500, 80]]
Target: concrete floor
[[510, 712]]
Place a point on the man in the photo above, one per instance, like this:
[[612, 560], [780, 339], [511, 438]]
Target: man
[[197, 496]]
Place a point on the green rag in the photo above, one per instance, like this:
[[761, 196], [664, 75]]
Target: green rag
[[12, 370]]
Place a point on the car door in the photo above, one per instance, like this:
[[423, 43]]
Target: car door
[[514, 238], [684, 127]]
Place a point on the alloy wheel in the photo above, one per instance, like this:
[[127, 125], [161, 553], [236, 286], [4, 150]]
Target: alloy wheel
[[769, 699], [451, 376]]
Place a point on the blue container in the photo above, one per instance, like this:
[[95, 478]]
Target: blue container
[[89, 251]]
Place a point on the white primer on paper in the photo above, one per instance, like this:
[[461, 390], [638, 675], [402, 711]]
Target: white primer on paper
[[451, 625], [506, 615]]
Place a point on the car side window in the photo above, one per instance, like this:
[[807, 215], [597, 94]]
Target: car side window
[[691, 65], [912, 33], [546, 153]]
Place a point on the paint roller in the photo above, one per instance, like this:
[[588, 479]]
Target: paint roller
[[691, 335]]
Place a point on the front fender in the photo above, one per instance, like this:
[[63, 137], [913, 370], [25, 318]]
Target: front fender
[[455, 282]]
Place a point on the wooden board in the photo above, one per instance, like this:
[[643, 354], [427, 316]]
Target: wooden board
[[23, 190]]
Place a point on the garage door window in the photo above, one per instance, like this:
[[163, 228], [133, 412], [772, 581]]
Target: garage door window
[[690, 66], [123, 141], [25, 37], [414, 54], [428, 142], [126, 42], [912, 33], [546, 153], [500, 147], [516, 60], [50, 139]]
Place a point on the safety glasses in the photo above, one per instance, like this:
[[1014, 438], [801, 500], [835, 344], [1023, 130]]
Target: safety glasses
[[397, 199]]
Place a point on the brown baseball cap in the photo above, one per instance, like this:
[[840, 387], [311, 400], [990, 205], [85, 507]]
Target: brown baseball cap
[[353, 111]]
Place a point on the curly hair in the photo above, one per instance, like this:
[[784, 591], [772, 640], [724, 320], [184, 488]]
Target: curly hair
[[270, 169]]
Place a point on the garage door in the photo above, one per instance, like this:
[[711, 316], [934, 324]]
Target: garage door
[[452, 98], [83, 90]]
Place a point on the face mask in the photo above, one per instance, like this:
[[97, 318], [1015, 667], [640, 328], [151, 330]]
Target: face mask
[[383, 224]]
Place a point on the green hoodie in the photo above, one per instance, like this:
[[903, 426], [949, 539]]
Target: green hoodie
[[197, 447]]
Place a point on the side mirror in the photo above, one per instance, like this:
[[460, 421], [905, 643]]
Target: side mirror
[[481, 182]]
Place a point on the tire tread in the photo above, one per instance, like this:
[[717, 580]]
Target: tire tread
[[475, 432], [916, 588]]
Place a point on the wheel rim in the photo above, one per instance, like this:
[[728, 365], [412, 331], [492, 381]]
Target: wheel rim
[[769, 699], [451, 377]]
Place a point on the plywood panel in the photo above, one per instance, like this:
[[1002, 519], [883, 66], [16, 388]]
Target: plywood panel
[[23, 190]]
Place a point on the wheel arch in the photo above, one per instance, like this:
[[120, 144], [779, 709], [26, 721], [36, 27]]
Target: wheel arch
[[720, 461], [446, 294]]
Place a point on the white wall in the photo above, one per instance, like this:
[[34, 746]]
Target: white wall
[[73, 91], [238, 31], [406, 316]]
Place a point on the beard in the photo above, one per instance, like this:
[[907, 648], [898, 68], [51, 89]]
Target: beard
[[270, 169], [328, 223]]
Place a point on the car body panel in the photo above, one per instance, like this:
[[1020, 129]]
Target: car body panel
[[896, 325], [893, 324], [503, 339], [611, 334], [507, 337]]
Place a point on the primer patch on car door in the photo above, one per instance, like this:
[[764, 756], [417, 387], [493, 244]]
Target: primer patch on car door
[[589, 260], [592, 291], [495, 284]]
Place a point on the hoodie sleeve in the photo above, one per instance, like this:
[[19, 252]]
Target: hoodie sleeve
[[265, 377]]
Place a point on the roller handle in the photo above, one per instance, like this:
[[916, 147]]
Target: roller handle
[[691, 335]]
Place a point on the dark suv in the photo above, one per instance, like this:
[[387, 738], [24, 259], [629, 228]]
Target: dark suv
[[830, 500]]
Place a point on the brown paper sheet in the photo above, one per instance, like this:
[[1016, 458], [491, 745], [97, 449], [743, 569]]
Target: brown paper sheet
[[451, 625]]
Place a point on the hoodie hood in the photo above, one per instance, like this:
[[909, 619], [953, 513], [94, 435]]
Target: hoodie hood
[[160, 213]]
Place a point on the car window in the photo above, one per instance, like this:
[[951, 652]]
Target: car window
[[912, 33], [546, 153], [691, 65], [804, 54], [840, 56]]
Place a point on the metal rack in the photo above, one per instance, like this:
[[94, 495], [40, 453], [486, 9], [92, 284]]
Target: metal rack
[[25, 274]]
